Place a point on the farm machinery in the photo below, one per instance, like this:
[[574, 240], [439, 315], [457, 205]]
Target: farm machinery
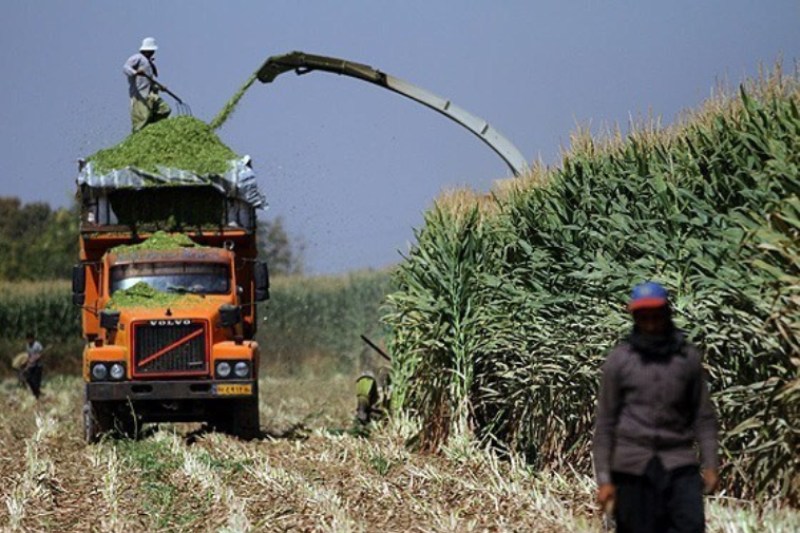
[[168, 283]]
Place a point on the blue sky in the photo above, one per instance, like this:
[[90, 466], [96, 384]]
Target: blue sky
[[349, 166]]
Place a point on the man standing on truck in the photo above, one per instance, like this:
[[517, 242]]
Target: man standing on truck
[[32, 371], [652, 409], [147, 106]]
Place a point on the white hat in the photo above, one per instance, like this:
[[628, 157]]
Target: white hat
[[148, 45]]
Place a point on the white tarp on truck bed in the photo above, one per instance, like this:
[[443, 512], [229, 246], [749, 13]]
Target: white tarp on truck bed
[[238, 182]]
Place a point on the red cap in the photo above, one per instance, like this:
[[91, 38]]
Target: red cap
[[647, 303], [649, 295]]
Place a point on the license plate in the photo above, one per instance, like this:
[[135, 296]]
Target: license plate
[[233, 389]]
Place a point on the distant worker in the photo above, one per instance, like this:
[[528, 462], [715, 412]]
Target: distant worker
[[147, 106], [652, 409], [367, 397], [32, 370]]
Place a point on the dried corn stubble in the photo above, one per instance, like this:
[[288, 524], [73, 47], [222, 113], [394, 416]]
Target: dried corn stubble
[[288, 484]]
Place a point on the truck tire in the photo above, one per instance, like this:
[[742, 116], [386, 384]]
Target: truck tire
[[238, 418], [98, 419], [245, 421]]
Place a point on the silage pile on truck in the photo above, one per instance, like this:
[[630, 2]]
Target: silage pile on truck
[[168, 281]]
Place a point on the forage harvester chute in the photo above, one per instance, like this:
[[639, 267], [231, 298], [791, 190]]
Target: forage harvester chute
[[302, 63]]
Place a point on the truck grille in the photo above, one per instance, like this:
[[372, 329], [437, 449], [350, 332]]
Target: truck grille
[[163, 348]]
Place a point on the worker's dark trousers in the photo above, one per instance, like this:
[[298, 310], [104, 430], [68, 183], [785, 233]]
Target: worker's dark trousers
[[660, 501], [33, 376]]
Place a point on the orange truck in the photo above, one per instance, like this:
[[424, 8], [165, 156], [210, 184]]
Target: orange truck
[[183, 350]]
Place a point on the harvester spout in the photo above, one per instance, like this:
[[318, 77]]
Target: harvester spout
[[302, 63]]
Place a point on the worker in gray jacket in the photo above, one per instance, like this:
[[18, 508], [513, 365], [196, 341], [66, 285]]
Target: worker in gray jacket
[[32, 371], [146, 105], [653, 409]]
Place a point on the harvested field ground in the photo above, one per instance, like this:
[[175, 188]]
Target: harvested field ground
[[309, 475]]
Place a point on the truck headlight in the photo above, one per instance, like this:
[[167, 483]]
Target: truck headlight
[[117, 371], [241, 369], [223, 369], [99, 371]]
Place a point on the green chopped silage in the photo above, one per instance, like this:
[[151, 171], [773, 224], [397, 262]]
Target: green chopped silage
[[159, 240], [231, 104], [184, 143], [143, 295]]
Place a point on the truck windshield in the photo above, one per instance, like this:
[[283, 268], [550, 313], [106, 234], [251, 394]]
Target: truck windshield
[[196, 278]]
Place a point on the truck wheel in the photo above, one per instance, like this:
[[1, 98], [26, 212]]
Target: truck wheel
[[97, 420], [245, 422]]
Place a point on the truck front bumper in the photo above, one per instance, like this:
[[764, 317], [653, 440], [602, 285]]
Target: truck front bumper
[[171, 390]]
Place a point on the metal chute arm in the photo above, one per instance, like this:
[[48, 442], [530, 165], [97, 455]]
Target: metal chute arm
[[303, 63]]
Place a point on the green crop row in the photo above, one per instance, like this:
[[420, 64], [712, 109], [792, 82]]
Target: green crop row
[[507, 306], [44, 308], [317, 321]]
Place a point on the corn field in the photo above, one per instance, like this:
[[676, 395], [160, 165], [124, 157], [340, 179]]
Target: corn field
[[44, 308], [315, 323], [508, 303]]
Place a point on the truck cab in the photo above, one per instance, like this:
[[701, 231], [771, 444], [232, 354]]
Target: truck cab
[[169, 309]]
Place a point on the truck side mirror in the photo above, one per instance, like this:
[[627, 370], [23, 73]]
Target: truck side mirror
[[78, 284], [229, 315], [109, 319], [261, 278]]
